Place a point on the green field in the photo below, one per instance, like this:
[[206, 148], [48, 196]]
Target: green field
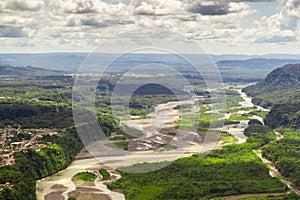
[[85, 176]]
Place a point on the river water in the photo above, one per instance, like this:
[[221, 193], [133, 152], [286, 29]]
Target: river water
[[60, 185]]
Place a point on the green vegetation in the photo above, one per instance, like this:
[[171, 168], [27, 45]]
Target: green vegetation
[[232, 170], [44, 101], [85, 176], [204, 102], [227, 138], [200, 121], [35, 116], [167, 147], [37, 99], [105, 174], [233, 100], [120, 145], [279, 91], [228, 122], [260, 113], [291, 196], [240, 117], [285, 154], [281, 86], [184, 108], [32, 165], [234, 110], [258, 134], [286, 115], [229, 171]]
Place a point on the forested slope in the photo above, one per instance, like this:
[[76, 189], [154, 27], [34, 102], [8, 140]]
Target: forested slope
[[280, 92], [280, 86]]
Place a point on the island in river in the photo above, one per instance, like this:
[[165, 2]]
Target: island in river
[[61, 185]]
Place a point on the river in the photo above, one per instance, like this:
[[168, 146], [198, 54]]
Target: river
[[61, 186]]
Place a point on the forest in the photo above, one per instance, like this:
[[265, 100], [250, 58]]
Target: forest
[[44, 102], [285, 115], [32, 165], [232, 170], [285, 154], [281, 86]]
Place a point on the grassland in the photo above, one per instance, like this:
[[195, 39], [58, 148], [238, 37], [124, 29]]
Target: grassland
[[85, 176]]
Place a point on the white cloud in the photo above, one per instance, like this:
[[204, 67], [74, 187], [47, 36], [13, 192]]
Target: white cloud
[[280, 27], [85, 23], [21, 5]]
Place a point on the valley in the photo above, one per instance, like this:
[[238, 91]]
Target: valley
[[164, 116], [149, 100], [162, 134]]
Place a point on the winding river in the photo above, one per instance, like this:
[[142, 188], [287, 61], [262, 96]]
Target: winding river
[[61, 186]]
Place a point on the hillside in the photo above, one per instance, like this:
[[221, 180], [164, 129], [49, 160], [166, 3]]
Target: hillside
[[10, 71], [284, 115], [279, 87], [280, 92]]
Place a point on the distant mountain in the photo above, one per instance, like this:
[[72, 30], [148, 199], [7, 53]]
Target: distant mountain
[[252, 69], [280, 86], [229, 57], [51, 61], [233, 68], [73, 61], [9, 71], [256, 63]]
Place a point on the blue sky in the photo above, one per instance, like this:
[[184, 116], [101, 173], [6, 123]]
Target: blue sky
[[219, 27], [263, 9]]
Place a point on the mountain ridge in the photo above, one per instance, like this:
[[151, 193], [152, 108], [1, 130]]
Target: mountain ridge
[[11, 71], [280, 86], [280, 91]]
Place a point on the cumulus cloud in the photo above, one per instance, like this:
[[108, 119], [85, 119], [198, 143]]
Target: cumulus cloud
[[280, 27], [291, 8], [79, 6], [157, 7], [144, 7], [21, 5], [86, 22]]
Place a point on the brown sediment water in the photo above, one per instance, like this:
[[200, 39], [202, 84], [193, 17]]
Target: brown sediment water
[[61, 186]]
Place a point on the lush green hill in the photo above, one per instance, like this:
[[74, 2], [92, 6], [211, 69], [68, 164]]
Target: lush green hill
[[284, 115], [280, 92], [280, 86], [7, 70]]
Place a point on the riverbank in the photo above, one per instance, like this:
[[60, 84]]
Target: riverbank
[[165, 116]]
